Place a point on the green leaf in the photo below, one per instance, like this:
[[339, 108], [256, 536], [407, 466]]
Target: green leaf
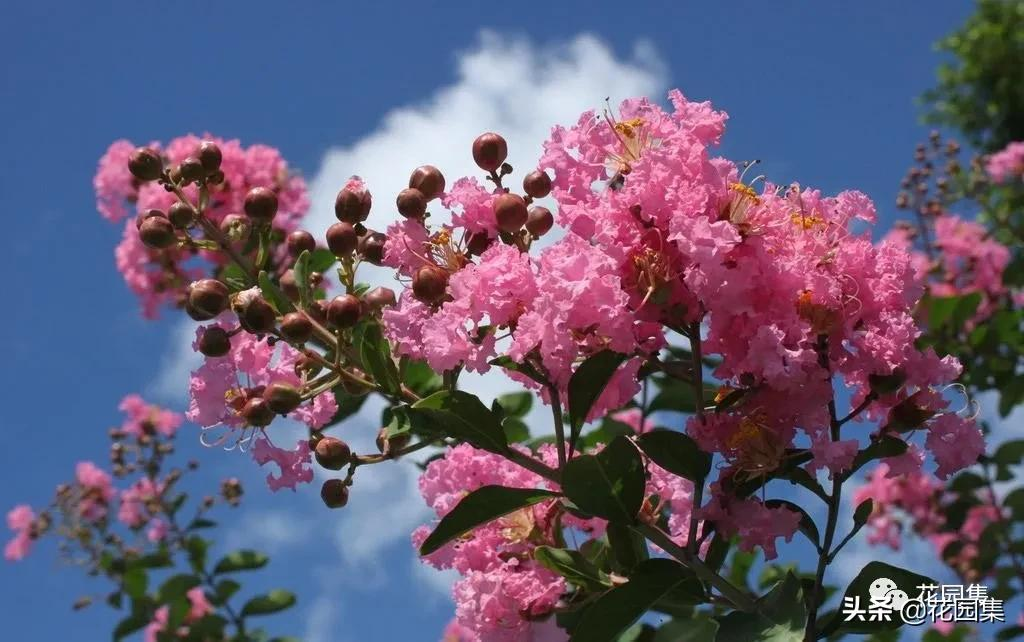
[[321, 260], [652, 581], [479, 507], [573, 566], [677, 453], [131, 624], [348, 404], [234, 277], [225, 589], [1010, 453], [859, 589], [175, 587], [1015, 502], [516, 430], [463, 416], [301, 271], [272, 602], [609, 484], [525, 368], [677, 395], [272, 294], [781, 617], [135, 582], [516, 404], [375, 353], [862, 513], [241, 560], [887, 446], [197, 548], [586, 385], [628, 548], [698, 629]]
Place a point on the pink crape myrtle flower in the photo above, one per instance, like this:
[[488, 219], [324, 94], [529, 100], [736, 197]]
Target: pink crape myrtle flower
[[142, 418], [199, 606], [295, 465], [96, 488], [755, 523], [1006, 164], [20, 520]]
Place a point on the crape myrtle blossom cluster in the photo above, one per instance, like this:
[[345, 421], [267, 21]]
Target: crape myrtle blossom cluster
[[771, 288], [130, 523]]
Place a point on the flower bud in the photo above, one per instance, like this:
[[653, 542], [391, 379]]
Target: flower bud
[[344, 311], [537, 184], [539, 221], [388, 446], [429, 283], [908, 415], [371, 247], [334, 492], [411, 203], [256, 315], [299, 241], [257, 412], [191, 170], [352, 205], [207, 298], [150, 213], [306, 365], [478, 243], [261, 204], [296, 327], [489, 151], [342, 239], [235, 227], [145, 164], [380, 297], [181, 215], [157, 232], [428, 180], [281, 397], [210, 156], [510, 212], [288, 285], [332, 454], [215, 342]]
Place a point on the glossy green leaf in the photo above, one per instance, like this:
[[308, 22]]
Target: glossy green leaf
[[573, 566], [479, 507], [615, 611], [241, 560], [463, 416], [677, 453], [586, 385], [609, 484], [272, 602], [375, 353]]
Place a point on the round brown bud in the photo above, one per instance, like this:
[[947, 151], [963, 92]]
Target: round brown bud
[[342, 239], [429, 283], [489, 151], [539, 221], [371, 247], [235, 227], [299, 241], [281, 397], [510, 212], [145, 164], [288, 285], [209, 155], [261, 204], [352, 205], [388, 446], [215, 342], [150, 213], [344, 311], [478, 242], [207, 298], [334, 492], [191, 170], [380, 297], [332, 454], [256, 315], [428, 180], [411, 203], [157, 232], [537, 184], [296, 327], [257, 412], [181, 215], [306, 365]]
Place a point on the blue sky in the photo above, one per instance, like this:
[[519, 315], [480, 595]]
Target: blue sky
[[823, 93]]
